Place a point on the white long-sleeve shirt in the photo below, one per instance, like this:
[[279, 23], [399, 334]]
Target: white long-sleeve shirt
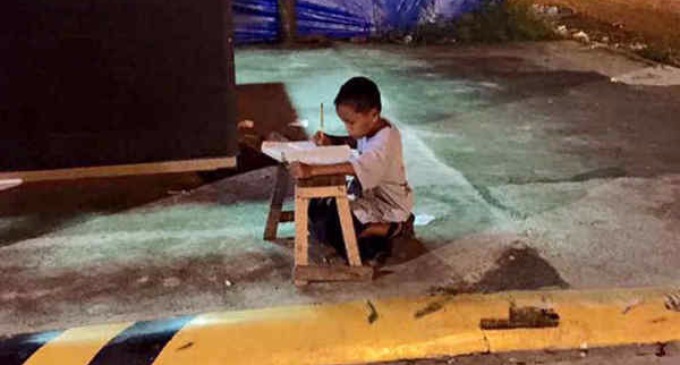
[[386, 195]]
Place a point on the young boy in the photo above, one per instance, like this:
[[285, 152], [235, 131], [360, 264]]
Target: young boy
[[383, 199]]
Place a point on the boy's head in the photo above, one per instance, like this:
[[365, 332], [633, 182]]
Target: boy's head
[[358, 105]]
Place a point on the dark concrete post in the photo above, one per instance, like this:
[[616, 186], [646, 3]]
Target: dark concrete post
[[288, 20]]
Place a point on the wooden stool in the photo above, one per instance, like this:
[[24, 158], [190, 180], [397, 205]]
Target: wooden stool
[[318, 187], [276, 213]]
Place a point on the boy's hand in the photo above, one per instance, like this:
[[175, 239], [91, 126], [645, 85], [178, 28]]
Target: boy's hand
[[300, 170], [321, 139]]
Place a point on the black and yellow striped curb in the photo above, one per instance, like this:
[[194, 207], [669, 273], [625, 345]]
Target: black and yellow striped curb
[[360, 332]]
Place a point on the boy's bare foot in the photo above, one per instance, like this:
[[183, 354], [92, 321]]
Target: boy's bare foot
[[388, 230], [375, 230]]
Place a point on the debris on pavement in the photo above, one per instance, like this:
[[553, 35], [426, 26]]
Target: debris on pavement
[[548, 10], [552, 11], [171, 282], [634, 303], [583, 349], [603, 31], [562, 30], [661, 350], [423, 219], [185, 346], [373, 313], [638, 46], [651, 76], [581, 36], [430, 308], [523, 317]]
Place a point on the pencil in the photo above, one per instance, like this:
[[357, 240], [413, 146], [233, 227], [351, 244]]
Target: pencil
[[322, 118]]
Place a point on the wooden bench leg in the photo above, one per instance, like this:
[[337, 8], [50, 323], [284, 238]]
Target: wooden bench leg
[[276, 205], [301, 235], [348, 233], [303, 272]]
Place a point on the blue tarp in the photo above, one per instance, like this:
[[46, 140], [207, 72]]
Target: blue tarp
[[334, 18], [255, 21], [258, 20]]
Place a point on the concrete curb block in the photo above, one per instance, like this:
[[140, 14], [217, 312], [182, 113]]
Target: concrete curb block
[[395, 329]]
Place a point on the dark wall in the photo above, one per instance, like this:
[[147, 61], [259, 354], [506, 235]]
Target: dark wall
[[102, 82]]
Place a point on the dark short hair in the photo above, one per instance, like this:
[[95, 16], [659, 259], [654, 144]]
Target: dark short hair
[[360, 92]]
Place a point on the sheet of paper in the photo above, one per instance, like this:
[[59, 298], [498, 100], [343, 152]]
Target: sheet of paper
[[306, 152]]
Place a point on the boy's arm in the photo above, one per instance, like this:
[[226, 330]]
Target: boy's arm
[[340, 140], [323, 139], [304, 171]]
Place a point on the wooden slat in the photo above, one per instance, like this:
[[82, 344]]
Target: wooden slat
[[276, 205], [287, 216], [288, 23], [348, 233], [123, 170], [301, 235], [333, 273], [319, 188], [328, 180], [8, 184], [321, 192]]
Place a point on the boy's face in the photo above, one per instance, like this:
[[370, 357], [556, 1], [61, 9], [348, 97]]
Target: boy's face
[[358, 124]]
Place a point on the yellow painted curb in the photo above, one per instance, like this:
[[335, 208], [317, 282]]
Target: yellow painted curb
[[446, 326]]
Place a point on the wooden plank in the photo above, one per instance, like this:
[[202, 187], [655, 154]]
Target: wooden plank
[[288, 17], [327, 180], [272, 227], [301, 236], [321, 192], [11, 183], [333, 273], [301, 233], [205, 164], [348, 233], [287, 216], [276, 205]]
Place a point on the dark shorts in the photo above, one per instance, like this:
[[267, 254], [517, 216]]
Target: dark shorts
[[324, 226]]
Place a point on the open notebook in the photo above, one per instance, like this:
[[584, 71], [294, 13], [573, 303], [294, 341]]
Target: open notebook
[[306, 152]]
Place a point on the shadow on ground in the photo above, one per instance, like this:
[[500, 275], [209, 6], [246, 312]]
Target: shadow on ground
[[520, 269], [118, 289], [37, 209]]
